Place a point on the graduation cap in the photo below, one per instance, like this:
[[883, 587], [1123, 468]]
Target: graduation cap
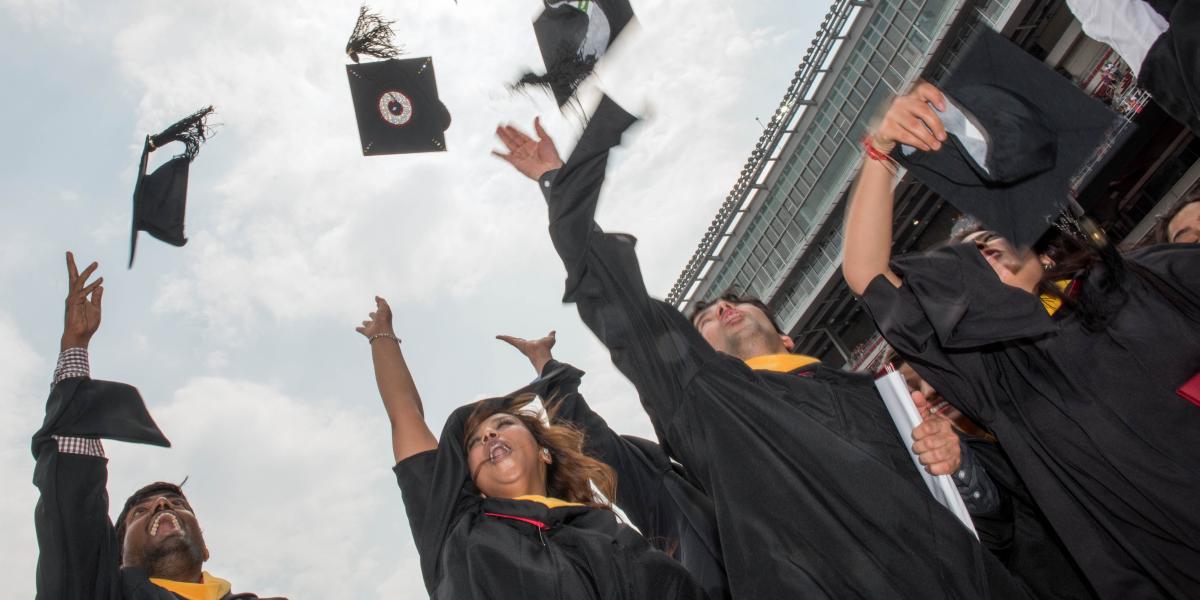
[[573, 35], [395, 101], [160, 198], [1017, 134]]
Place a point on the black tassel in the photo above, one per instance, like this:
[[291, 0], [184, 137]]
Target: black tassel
[[568, 74], [191, 130], [373, 36]]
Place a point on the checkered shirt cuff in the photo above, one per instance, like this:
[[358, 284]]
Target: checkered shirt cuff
[[73, 362]]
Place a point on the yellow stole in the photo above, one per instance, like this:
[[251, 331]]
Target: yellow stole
[[548, 502], [209, 588], [780, 363]]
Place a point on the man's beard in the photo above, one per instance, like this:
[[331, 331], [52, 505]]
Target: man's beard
[[172, 558]]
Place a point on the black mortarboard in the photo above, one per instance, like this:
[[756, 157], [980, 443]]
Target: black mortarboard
[[395, 101], [573, 35], [1037, 130], [160, 198]]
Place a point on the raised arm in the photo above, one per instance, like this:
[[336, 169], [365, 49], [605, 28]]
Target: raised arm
[[650, 342], [410, 434], [78, 548], [868, 239]]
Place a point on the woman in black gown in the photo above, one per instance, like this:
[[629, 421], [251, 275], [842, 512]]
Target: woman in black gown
[[1083, 400], [503, 505]]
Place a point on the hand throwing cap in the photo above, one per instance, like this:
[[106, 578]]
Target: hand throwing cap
[[395, 101], [1036, 129], [573, 35], [160, 198]]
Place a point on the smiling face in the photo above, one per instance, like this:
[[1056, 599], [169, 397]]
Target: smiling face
[[504, 458], [163, 536], [1184, 227], [740, 329], [1019, 269]]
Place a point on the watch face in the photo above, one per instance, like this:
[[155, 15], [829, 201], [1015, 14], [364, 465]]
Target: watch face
[[396, 106]]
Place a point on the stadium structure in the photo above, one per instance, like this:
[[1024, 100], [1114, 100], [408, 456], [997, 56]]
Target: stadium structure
[[778, 233]]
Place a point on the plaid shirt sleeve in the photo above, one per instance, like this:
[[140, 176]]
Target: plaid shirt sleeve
[[73, 362]]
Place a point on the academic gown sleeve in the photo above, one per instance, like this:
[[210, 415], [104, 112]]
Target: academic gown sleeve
[[436, 488], [950, 305], [77, 542], [1169, 69], [649, 341], [670, 511]]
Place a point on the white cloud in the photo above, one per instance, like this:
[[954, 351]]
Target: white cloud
[[22, 401]]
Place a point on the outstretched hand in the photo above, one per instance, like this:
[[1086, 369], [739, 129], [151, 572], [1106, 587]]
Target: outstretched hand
[[81, 317], [533, 158], [934, 440], [911, 121], [379, 321], [537, 351]]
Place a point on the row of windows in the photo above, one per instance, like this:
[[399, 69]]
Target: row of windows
[[896, 36]]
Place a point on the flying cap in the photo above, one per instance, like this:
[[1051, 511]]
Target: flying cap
[[160, 198], [573, 35], [395, 101]]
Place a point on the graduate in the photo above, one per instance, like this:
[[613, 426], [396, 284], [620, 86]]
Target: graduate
[[815, 495], [157, 550], [506, 506], [1181, 224], [657, 494], [1077, 361]]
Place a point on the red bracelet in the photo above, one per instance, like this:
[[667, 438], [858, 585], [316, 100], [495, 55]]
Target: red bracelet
[[874, 153]]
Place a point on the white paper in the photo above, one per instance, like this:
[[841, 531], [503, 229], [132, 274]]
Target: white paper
[[904, 414]]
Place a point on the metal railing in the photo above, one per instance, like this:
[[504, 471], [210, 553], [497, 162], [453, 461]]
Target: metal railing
[[776, 132]]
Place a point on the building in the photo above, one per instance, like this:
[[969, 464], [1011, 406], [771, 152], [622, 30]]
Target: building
[[778, 234]]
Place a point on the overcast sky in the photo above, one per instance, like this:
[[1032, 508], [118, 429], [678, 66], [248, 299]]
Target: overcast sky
[[243, 341]]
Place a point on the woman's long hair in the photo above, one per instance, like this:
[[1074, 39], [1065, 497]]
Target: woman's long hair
[[571, 474]]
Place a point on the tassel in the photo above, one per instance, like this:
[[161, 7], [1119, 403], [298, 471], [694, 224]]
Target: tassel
[[192, 130], [373, 36]]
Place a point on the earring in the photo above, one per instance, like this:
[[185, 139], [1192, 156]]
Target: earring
[[1046, 266]]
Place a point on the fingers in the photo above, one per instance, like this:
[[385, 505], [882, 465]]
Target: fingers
[[72, 272], [934, 457], [505, 157], [515, 342], [517, 136], [505, 137], [83, 277], [362, 330], [928, 92], [931, 121], [91, 288], [537, 128], [922, 404], [98, 295], [366, 323]]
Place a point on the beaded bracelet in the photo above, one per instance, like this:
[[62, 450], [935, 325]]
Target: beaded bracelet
[[391, 336]]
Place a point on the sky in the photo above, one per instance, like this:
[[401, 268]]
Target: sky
[[242, 342]]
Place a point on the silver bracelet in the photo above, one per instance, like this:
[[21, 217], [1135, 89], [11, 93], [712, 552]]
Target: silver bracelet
[[392, 336]]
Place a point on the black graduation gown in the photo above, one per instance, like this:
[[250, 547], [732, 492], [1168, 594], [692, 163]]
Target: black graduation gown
[[1019, 534], [654, 492], [1091, 421], [1171, 67], [473, 547], [77, 543], [815, 495]]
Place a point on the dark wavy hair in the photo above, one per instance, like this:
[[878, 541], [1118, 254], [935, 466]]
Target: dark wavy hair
[[572, 473]]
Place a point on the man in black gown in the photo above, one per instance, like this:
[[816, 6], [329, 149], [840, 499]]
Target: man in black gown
[[156, 551], [814, 493]]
